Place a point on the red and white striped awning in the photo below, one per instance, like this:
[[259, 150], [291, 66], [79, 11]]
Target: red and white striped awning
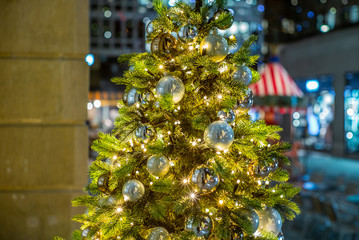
[[275, 81]]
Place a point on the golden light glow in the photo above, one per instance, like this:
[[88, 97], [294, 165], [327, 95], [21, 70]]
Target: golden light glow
[[160, 66], [220, 202]]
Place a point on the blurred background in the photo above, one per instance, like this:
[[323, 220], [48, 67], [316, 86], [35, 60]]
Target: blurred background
[[57, 59]]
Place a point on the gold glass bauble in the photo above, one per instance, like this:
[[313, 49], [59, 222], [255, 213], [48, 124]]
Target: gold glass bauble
[[164, 45], [215, 47]]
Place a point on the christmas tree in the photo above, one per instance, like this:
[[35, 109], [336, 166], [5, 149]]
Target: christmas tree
[[185, 160]]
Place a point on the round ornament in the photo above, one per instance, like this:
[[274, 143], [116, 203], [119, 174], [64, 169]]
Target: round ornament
[[228, 23], [131, 97], [215, 47], [204, 179], [112, 199], [85, 232], [219, 135], [164, 45], [281, 236], [158, 166], [269, 221], [245, 103], [133, 190], [145, 132], [243, 74], [187, 33], [201, 226], [273, 166], [259, 171], [169, 85], [236, 233], [102, 183], [251, 215], [226, 115], [159, 233], [150, 28]]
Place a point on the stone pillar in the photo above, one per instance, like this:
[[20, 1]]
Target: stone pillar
[[43, 95]]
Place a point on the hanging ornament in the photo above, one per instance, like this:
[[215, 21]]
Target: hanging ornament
[[131, 97], [112, 199], [159, 233], [236, 232], [204, 179], [187, 33], [269, 221], [259, 171], [150, 28], [133, 190], [225, 24], [145, 132], [243, 74], [169, 85], [158, 165], [219, 135], [250, 214], [201, 225], [102, 183], [85, 232], [245, 103], [164, 45], [273, 166], [281, 236], [226, 115], [215, 47]]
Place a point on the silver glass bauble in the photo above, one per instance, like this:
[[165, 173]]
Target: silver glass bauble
[[85, 232], [188, 33], [170, 85], [252, 217], [145, 132], [219, 135], [150, 28], [159, 233], [269, 221], [112, 199], [158, 165], [215, 47], [259, 171], [246, 103], [201, 225], [273, 166], [243, 74], [204, 179], [133, 190], [225, 24], [227, 115], [236, 233], [281, 236], [131, 97]]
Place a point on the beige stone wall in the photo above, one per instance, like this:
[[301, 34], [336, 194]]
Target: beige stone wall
[[43, 96]]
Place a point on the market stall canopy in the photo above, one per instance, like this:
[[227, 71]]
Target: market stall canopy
[[275, 81]]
